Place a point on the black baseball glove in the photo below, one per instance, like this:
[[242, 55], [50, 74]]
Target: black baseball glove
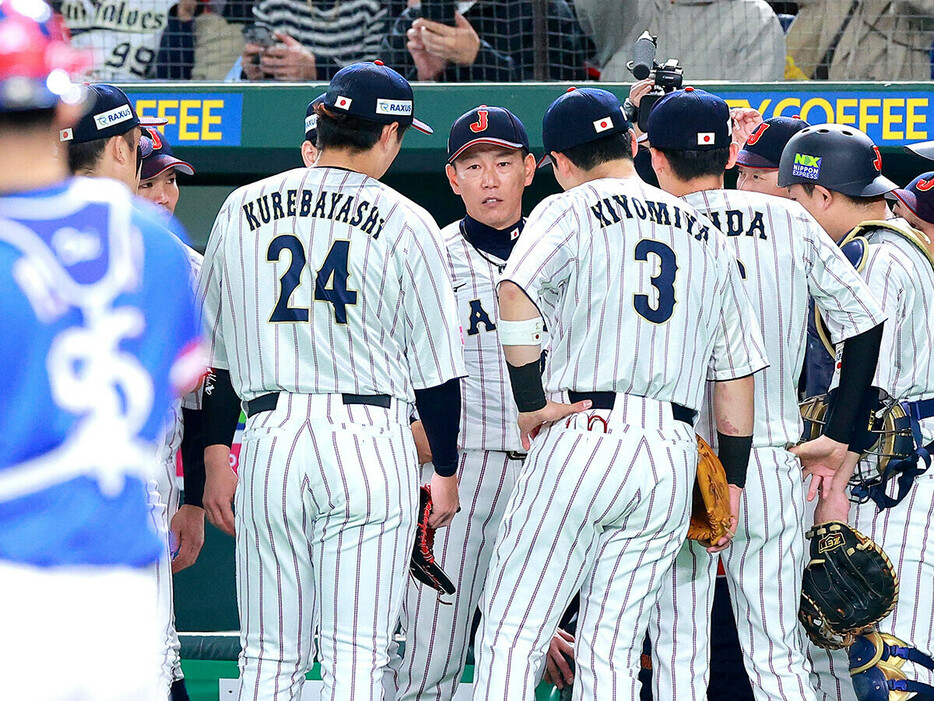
[[423, 566], [849, 585]]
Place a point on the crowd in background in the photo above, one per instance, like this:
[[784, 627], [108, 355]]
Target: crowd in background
[[503, 40]]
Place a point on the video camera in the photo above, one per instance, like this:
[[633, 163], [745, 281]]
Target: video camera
[[668, 76]]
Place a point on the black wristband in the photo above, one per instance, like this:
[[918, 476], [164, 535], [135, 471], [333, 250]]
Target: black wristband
[[221, 408], [192, 450], [733, 452], [857, 368], [527, 387]]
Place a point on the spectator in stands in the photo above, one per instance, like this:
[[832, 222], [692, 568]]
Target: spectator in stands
[[218, 34], [315, 39], [863, 39], [493, 40], [714, 39], [124, 37]]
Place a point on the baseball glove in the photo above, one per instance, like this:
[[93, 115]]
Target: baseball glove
[[849, 585], [423, 566], [710, 512]]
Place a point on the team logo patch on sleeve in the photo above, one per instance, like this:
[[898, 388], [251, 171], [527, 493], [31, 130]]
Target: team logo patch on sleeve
[[114, 116], [342, 102], [601, 125], [393, 107], [706, 138], [806, 166]]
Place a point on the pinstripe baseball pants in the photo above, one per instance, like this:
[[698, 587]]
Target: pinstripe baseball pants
[[437, 634], [325, 509], [764, 567], [600, 506]]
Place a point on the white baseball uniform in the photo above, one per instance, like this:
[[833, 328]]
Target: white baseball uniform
[[330, 288], [124, 36], [164, 501], [641, 299], [437, 634], [784, 258], [902, 279]]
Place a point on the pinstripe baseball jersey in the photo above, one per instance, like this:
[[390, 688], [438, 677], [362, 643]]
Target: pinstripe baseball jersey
[[902, 279], [784, 257], [639, 292], [488, 411], [326, 281]]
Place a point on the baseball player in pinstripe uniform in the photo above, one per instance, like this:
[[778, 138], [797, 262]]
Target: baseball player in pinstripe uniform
[[181, 524], [784, 258], [836, 173], [330, 302], [489, 166], [642, 306]]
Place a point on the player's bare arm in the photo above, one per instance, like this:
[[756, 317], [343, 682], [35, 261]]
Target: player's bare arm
[[734, 411], [523, 352]]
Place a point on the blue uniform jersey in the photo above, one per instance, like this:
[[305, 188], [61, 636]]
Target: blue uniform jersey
[[99, 332]]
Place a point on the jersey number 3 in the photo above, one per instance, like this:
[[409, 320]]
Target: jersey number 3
[[663, 282], [330, 281]]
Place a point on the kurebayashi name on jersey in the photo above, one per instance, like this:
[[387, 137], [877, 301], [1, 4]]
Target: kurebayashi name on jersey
[[611, 210], [305, 203]]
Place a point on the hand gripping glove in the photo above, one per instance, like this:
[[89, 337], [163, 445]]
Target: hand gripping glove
[[423, 566], [849, 585], [710, 512]]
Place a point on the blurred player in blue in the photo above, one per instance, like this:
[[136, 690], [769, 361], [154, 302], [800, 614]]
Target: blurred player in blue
[[100, 333]]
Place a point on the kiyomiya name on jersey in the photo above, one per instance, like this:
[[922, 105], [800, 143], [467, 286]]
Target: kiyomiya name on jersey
[[120, 15], [612, 210], [326, 205]]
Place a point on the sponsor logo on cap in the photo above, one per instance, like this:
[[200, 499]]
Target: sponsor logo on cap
[[114, 116], [311, 122], [393, 106], [706, 138], [806, 166], [601, 125], [342, 102], [66, 134]]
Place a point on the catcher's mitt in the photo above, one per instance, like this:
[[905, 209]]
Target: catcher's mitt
[[710, 512], [849, 585], [423, 566]]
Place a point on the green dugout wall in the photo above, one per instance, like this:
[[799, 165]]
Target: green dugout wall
[[235, 133]]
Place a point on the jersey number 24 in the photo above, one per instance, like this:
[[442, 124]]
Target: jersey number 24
[[330, 280]]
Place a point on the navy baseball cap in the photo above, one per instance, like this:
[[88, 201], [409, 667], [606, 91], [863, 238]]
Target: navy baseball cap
[[374, 92], [160, 157], [579, 116], [486, 125], [764, 147], [690, 120], [311, 118], [918, 196], [111, 114]]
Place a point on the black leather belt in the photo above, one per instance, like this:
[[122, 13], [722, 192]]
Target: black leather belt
[[515, 455], [606, 400], [267, 402]]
